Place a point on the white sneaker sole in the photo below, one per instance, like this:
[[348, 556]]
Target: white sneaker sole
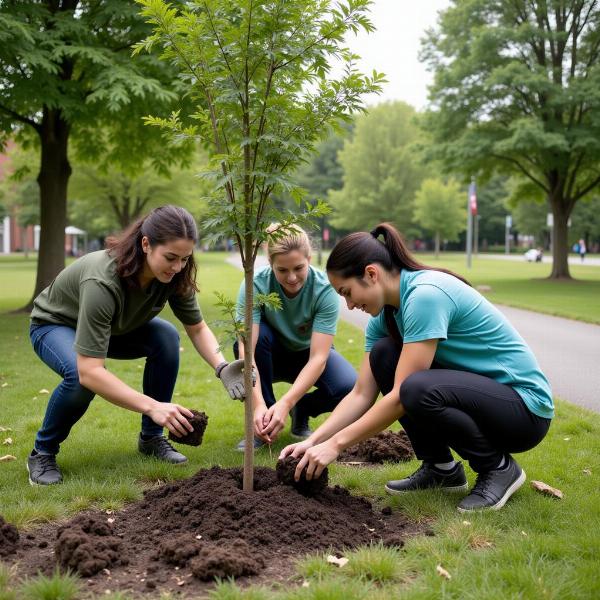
[[451, 489], [509, 492]]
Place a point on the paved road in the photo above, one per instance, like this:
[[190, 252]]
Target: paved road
[[590, 261], [568, 351]]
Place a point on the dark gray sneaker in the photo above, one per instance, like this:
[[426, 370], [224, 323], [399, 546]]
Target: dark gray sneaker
[[300, 428], [258, 443], [494, 488], [427, 477], [159, 447], [43, 469]]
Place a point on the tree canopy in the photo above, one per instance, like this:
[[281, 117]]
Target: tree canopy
[[382, 170], [67, 80], [517, 90]]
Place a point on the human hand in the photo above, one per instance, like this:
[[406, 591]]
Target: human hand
[[171, 416], [296, 450], [232, 378], [274, 420], [259, 413], [315, 460]]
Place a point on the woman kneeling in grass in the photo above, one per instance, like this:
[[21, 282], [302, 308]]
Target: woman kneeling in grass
[[450, 367], [294, 344], [105, 304]]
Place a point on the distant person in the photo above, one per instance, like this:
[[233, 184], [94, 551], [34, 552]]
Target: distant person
[[581, 249], [105, 304], [450, 367], [294, 344]]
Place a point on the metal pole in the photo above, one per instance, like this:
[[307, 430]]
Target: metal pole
[[469, 226], [476, 235]]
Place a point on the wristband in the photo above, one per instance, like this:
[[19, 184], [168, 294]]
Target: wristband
[[219, 368]]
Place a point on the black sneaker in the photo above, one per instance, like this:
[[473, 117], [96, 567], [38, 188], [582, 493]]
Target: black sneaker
[[258, 443], [300, 428], [427, 477], [43, 469], [494, 488], [159, 447]]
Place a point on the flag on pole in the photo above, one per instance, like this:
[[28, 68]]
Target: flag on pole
[[473, 198]]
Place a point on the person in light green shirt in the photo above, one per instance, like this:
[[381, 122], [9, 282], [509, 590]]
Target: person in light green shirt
[[295, 342], [105, 304], [450, 367]]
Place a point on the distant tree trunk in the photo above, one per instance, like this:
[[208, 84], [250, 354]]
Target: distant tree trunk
[[53, 179], [561, 210], [437, 245]]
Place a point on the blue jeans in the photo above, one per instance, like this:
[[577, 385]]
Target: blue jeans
[[157, 340], [276, 363]]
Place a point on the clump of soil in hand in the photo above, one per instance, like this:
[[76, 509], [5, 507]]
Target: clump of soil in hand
[[193, 438], [286, 468], [9, 537], [87, 545], [387, 446], [231, 559]]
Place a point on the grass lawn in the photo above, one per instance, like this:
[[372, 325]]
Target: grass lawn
[[536, 547]]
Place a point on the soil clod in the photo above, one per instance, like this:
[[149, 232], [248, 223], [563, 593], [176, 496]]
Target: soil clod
[[194, 438], [9, 537], [286, 468], [387, 446], [231, 559]]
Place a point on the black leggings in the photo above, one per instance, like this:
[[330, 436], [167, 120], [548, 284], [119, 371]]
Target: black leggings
[[479, 418]]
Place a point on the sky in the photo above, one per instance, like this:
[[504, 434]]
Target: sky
[[394, 47]]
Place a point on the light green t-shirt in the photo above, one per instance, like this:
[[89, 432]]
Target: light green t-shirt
[[315, 308], [473, 334], [91, 298]]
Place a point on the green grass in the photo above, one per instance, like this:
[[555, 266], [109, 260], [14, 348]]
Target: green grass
[[536, 547]]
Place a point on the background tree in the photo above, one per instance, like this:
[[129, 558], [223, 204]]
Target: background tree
[[382, 170], [491, 211], [67, 78], [517, 90], [258, 72], [439, 209]]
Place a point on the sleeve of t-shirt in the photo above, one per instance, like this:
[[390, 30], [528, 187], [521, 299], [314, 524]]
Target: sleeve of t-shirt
[[376, 329], [426, 314], [327, 310], [186, 308], [241, 302], [97, 307]]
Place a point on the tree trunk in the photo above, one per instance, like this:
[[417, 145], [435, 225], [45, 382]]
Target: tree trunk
[[437, 245], [560, 237], [248, 482], [53, 179]]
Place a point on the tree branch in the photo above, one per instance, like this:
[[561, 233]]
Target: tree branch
[[21, 118]]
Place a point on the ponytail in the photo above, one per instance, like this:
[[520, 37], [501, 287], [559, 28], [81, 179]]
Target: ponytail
[[352, 254]]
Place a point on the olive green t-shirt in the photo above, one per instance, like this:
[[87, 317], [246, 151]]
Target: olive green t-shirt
[[90, 297]]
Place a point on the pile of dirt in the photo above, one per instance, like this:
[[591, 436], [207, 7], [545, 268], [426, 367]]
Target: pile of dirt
[[198, 421], [9, 537], [387, 446], [286, 469], [187, 532]]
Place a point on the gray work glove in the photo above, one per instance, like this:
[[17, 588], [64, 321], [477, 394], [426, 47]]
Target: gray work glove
[[232, 378]]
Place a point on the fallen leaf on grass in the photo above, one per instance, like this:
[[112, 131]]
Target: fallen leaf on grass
[[7, 457], [566, 439], [544, 488], [334, 560], [466, 523], [43, 391], [5, 428], [587, 471], [442, 572], [4, 384], [7, 442]]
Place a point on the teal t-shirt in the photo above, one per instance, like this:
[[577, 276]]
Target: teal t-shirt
[[473, 334], [315, 308]]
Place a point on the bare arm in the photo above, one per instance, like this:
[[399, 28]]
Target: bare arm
[[94, 376], [415, 356], [205, 342]]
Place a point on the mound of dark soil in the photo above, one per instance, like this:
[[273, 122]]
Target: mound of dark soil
[[194, 438], [188, 532], [9, 537], [387, 446], [286, 468]]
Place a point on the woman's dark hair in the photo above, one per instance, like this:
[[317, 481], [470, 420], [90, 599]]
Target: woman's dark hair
[[164, 224], [351, 255]]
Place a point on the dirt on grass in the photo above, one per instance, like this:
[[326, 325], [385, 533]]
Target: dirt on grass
[[387, 446], [182, 535]]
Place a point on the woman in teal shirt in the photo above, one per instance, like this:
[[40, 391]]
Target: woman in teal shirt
[[294, 343], [450, 367]]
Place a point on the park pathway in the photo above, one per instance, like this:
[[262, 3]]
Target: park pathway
[[568, 351]]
